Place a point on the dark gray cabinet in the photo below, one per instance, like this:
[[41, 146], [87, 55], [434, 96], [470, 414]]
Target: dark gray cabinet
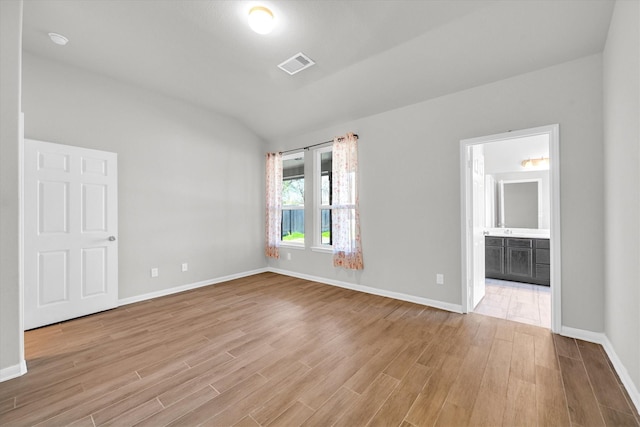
[[517, 259], [493, 256]]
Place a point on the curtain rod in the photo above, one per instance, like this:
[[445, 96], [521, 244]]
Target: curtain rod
[[314, 145]]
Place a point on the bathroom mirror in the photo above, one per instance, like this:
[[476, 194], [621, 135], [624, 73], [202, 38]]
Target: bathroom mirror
[[519, 203]]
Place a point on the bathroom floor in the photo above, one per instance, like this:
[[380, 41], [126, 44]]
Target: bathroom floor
[[520, 302]]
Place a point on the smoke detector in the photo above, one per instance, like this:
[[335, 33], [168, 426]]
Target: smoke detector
[[296, 63], [58, 39]]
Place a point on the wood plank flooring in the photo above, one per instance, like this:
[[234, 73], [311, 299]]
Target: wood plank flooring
[[274, 350]]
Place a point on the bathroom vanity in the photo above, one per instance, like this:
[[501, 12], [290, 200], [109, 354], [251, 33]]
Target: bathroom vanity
[[517, 229], [517, 258]]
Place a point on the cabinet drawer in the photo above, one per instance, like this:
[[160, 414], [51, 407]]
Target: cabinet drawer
[[543, 272], [493, 241], [542, 256], [542, 243], [520, 243]]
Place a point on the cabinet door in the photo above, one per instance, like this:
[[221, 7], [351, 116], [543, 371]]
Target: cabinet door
[[520, 262], [493, 261]]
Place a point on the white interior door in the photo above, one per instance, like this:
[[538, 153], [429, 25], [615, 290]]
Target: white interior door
[[70, 231], [478, 222]]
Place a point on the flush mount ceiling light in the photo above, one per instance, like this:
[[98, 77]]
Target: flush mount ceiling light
[[261, 20], [58, 39], [542, 162]]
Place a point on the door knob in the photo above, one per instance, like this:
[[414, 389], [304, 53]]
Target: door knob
[[112, 238]]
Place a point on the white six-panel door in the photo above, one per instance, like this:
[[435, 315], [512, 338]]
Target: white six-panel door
[[70, 232]]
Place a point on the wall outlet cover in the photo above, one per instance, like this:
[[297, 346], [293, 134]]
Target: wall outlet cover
[[154, 272], [440, 279]]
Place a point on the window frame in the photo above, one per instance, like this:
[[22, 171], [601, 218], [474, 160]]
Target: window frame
[[317, 201], [288, 243]]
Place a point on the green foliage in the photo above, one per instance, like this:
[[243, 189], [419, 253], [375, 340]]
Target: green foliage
[[293, 236], [326, 235], [293, 192]]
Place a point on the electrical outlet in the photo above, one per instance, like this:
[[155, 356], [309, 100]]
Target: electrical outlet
[[185, 266], [439, 279], [289, 256], [154, 272]]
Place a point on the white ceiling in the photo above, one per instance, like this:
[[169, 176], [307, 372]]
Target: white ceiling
[[371, 56]]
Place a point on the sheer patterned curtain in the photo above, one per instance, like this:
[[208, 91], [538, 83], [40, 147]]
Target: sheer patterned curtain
[[273, 217], [347, 246]]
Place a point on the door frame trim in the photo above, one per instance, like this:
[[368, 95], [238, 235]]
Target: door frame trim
[[21, 210], [555, 227]]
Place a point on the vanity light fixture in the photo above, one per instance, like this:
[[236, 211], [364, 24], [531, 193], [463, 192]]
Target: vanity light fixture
[[261, 20], [542, 162], [58, 39]]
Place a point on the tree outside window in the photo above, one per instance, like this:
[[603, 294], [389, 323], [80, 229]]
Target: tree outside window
[[293, 198]]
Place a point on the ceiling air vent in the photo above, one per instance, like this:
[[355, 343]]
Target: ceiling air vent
[[296, 63]]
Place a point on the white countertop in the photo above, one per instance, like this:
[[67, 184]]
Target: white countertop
[[518, 232]]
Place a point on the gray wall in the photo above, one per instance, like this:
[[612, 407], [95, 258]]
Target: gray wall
[[190, 181], [622, 180], [409, 160], [11, 351]]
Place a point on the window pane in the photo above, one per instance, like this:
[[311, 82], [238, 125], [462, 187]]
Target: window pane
[[293, 195], [325, 178], [325, 190], [293, 192], [293, 180], [325, 227], [293, 225]]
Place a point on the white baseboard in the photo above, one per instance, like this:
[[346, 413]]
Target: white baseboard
[[456, 308], [603, 340], [581, 334], [182, 288], [634, 394], [13, 371]]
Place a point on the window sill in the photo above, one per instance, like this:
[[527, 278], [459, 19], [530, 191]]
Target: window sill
[[322, 249], [298, 246]]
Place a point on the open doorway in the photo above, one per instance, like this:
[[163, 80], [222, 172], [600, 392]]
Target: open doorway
[[511, 226]]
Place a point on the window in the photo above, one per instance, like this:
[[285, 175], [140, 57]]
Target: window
[[323, 226], [293, 199]]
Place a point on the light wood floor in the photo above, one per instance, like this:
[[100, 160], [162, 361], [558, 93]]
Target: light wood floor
[[274, 350]]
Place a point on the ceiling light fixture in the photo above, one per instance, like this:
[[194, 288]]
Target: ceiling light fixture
[[542, 162], [58, 39], [261, 20]]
